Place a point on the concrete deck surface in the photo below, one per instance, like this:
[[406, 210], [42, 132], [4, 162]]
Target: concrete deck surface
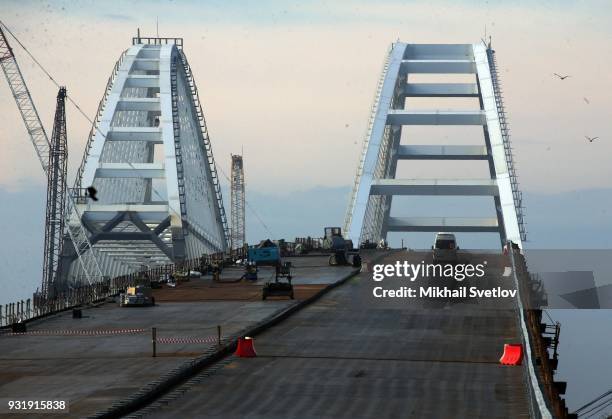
[[91, 372], [342, 357]]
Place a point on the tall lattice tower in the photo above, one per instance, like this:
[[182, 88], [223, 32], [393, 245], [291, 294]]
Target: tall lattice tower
[[370, 216], [238, 236], [149, 156], [56, 196]]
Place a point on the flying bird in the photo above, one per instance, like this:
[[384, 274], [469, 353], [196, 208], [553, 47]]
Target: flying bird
[[91, 193], [590, 139], [562, 77]]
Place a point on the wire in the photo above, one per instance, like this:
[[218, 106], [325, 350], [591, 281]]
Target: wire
[[91, 121], [272, 236]]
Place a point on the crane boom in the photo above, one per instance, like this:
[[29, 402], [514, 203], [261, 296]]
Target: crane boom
[[22, 96], [76, 231]]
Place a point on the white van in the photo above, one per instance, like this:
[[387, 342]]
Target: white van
[[445, 248]]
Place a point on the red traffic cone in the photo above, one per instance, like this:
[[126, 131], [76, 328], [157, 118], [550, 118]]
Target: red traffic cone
[[245, 348], [513, 354]]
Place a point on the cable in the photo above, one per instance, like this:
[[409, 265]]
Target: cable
[[250, 207], [104, 136]]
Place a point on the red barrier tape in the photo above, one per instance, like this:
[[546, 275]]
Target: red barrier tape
[[174, 340], [69, 332]]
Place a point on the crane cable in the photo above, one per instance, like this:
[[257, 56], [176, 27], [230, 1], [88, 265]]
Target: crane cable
[[76, 105]]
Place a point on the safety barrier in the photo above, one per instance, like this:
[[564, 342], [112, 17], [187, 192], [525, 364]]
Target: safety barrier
[[79, 332], [183, 340], [537, 402], [38, 306]]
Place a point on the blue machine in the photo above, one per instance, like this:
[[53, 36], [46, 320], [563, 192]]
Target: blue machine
[[266, 253]]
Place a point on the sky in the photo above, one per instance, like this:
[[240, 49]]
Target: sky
[[292, 83]]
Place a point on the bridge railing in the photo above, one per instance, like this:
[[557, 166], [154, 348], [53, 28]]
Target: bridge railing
[[24, 310], [539, 384]]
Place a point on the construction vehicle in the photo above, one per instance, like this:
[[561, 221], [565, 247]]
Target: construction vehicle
[[138, 296], [265, 253], [342, 252], [282, 283]]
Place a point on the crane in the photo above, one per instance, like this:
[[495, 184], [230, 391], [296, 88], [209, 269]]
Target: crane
[[38, 136], [56, 198]]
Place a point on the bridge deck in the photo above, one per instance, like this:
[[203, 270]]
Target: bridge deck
[[341, 357], [60, 359]]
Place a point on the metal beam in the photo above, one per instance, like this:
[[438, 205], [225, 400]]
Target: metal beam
[[433, 224], [441, 90], [151, 104], [142, 80], [442, 152], [438, 51], [447, 187], [130, 170], [435, 117], [438, 66], [151, 134], [148, 213], [145, 64]]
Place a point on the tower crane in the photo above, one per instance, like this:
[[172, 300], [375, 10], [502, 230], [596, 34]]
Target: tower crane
[[62, 205], [56, 198]]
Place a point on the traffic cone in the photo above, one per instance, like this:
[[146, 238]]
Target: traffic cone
[[245, 348]]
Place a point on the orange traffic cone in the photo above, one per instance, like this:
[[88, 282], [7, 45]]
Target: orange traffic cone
[[245, 348], [513, 354]]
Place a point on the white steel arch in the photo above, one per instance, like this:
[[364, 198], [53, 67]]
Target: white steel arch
[[150, 159], [368, 216]]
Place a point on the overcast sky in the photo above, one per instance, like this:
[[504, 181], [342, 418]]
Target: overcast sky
[[293, 83]]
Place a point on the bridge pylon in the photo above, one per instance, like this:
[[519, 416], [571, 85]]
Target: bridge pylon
[[369, 216]]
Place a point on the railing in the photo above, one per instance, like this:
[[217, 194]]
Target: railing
[[96, 121], [24, 310], [366, 141], [499, 100], [176, 126], [537, 371], [152, 40], [207, 145]]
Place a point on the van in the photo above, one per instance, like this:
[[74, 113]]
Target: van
[[445, 248]]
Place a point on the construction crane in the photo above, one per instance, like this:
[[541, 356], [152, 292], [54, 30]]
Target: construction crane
[[237, 198], [56, 198], [38, 136]]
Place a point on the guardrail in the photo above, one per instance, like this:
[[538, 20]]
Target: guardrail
[[544, 397], [36, 307]]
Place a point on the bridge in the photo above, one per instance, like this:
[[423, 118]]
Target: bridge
[[332, 351]]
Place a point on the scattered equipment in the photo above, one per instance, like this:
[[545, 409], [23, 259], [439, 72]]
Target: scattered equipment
[[279, 287], [138, 296], [250, 272], [342, 252], [265, 253]]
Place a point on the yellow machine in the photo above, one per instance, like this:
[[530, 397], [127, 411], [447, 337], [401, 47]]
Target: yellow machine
[[138, 296]]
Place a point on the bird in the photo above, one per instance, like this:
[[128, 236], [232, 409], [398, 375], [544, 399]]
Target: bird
[[91, 193], [562, 77], [590, 139]]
